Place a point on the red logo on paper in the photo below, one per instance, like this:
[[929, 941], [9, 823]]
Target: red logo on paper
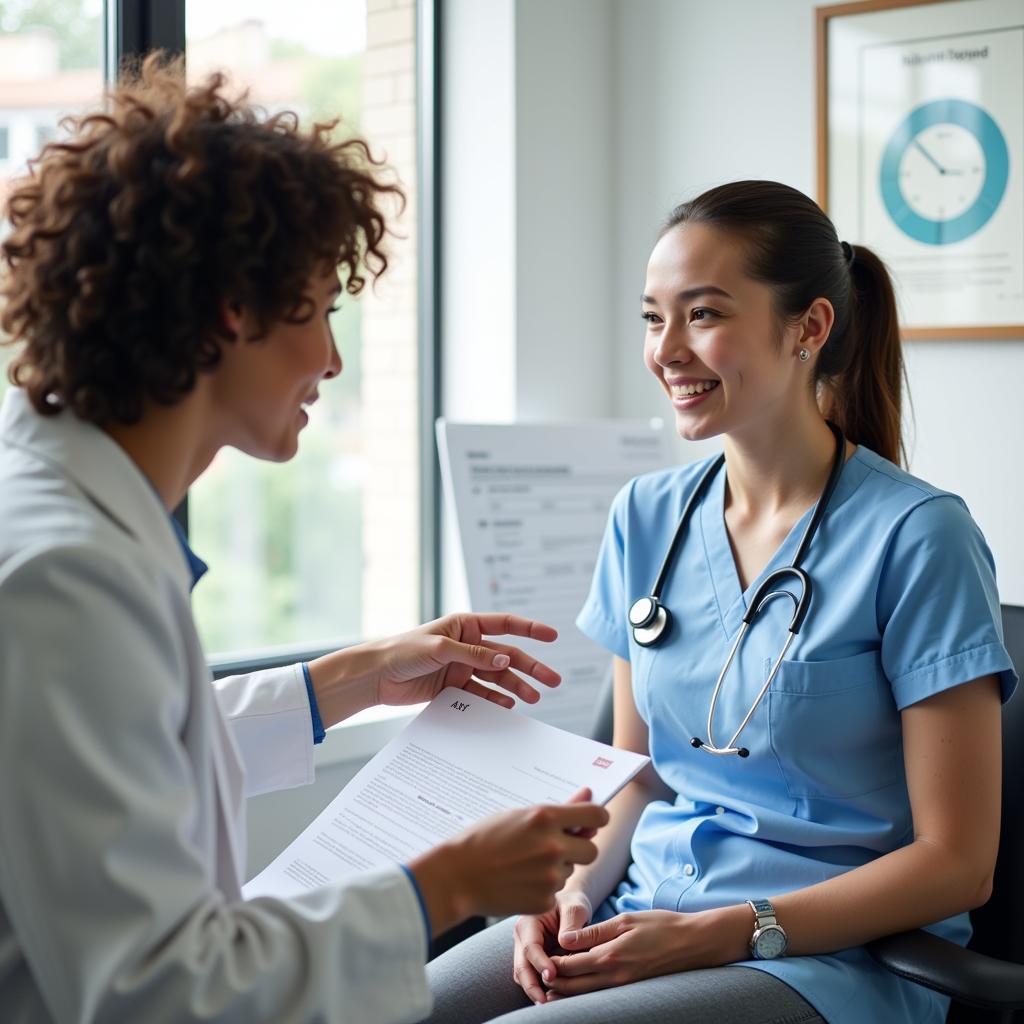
[[602, 762]]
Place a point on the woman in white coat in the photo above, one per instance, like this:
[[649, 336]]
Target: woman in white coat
[[167, 281]]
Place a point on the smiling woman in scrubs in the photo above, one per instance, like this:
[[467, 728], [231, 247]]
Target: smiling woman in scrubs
[[869, 802], [168, 277]]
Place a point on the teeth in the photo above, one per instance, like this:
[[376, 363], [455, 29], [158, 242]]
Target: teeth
[[686, 390]]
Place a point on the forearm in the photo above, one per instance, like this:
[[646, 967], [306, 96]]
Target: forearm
[[598, 880], [345, 682], [911, 887]]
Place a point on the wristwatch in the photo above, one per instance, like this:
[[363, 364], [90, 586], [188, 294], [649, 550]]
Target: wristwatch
[[769, 940]]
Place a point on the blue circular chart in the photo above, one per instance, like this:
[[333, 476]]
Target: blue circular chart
[[944, 171]]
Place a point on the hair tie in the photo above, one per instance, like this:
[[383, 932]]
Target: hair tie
[[848, 252]]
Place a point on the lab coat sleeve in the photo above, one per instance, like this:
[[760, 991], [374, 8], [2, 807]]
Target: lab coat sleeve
[[109, 892], [270, 721]]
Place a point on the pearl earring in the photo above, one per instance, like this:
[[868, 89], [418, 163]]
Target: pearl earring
[[804, 355]]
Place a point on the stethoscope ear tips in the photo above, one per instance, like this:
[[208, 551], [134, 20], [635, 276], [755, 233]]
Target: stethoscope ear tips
[[696, 743], [743, 752]]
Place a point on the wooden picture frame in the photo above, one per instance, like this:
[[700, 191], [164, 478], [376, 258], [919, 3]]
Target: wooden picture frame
[[920, 154]]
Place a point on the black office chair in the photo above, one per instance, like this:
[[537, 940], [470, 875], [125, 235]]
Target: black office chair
[[985, 980]]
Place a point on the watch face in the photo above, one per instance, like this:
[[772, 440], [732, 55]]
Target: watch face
[[944, 171], [770, 942]]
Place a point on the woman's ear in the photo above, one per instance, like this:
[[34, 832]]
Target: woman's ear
[[815, 326]]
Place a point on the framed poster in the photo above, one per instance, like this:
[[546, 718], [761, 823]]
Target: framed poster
[[920, 153]]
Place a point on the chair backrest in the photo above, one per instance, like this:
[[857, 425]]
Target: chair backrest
[[999, 925]]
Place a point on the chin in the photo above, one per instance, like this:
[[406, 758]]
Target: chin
[[266, 450], [690, 431]]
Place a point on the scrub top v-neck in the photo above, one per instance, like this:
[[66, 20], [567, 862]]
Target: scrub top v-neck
[[904, 606]]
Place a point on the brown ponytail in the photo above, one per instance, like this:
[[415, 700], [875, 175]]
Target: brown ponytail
[[861, 379], [794, 249]]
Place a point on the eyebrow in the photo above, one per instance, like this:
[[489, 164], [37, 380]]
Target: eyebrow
[[691, 293]]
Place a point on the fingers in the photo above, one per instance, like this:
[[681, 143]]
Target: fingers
[[527, 978], [531, 959], [592, 935], [573, 918], [510, 681], [539, 965], [561, 987], [577, 816], [501, 623], [578, 964], [502, 699], [525, 663]]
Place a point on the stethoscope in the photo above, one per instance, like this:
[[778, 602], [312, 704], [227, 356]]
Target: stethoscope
[[650, 619]]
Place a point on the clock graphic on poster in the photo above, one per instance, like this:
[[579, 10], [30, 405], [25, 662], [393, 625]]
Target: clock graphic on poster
[[944, 171]]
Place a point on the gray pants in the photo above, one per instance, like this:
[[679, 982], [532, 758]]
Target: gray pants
[[473, 983]]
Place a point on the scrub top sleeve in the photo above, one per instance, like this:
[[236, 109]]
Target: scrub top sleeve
[[938, 607], [603, 616]]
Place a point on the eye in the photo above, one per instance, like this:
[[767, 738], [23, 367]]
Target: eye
[[649, 317], [334, 309], [702, 314]]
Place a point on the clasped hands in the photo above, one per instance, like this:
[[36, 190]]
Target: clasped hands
[[623, 949]]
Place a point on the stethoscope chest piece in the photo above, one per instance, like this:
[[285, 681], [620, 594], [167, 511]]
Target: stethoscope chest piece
[[649, 619]]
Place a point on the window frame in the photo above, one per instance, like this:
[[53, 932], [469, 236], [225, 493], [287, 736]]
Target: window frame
[[135, 27]]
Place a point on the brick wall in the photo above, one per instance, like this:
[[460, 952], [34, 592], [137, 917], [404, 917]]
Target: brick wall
[[391, 499]]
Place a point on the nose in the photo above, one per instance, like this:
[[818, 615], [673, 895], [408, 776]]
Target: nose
[[334, 363], [671, 346]]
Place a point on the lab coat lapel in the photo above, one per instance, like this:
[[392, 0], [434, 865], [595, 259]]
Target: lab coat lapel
[[100, 468]]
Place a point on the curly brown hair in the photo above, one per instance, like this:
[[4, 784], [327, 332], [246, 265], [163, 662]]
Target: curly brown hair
[[128, 239]]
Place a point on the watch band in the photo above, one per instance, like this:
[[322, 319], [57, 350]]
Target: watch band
[[763, 911], [769, 939]]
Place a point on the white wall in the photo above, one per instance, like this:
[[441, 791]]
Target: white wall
[[595, 117], [713, 90]]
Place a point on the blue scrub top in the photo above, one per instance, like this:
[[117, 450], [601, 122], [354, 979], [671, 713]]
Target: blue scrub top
[[904, 606]]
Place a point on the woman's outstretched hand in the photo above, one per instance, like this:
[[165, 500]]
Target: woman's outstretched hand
[[455, 651]]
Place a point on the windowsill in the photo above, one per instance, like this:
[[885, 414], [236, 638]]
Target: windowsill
[[360, 737]]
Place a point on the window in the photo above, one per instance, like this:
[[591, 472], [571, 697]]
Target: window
[[326, 548], [50, 66], [45, 133]]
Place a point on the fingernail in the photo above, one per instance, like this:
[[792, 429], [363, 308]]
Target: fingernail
[[500, 661], [546, 975], [569, 937]]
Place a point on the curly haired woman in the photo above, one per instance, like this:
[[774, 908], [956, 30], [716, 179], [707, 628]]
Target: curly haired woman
[[167, 280]]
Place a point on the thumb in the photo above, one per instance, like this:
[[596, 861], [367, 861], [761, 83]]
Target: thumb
[[573, 917], [585, 938], [581, 796]]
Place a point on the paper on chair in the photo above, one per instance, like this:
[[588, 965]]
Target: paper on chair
[[461, 759]]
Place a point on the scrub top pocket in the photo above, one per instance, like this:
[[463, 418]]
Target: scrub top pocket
[[835, 728]]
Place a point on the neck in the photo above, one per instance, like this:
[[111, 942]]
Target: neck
[[170, 445], [775, 466]]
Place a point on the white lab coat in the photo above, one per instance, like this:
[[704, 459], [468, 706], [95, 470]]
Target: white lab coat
[[122, 786]]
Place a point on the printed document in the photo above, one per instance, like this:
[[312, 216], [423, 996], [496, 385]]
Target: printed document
[[531, 502], [461, 759]]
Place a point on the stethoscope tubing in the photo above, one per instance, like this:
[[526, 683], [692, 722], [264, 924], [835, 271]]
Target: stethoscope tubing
[[650, 619]]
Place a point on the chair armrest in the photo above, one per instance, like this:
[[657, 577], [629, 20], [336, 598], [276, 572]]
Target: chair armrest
[[945, 967]]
